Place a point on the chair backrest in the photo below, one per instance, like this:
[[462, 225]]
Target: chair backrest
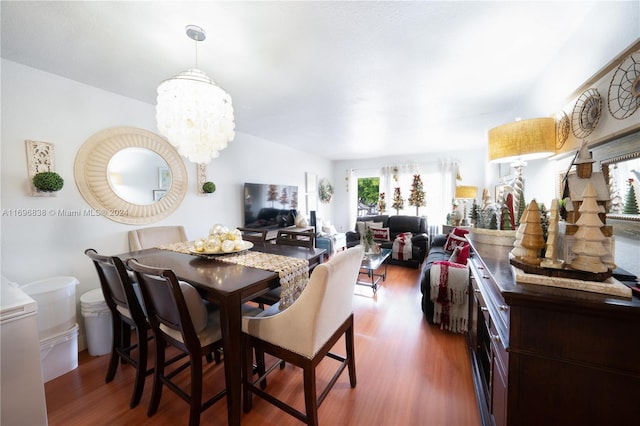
[[167, 307], [297, 238], [323, 306], [254, 235], [144, 238], [117, 288]]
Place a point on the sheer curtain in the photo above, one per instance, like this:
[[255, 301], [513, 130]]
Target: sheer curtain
[[438, 180]]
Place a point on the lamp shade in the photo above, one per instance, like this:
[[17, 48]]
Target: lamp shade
[[466, 191], [522, 140]]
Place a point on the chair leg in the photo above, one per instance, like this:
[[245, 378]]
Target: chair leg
[[141, 374], [310, 399], [125, 341], [115, 345], [196, 390], [349, 340], [247, 377], [158, 372]]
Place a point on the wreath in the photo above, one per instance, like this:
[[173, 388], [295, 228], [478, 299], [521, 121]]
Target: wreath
[[325, 191]]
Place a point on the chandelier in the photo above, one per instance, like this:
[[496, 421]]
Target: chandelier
[[193, 113]]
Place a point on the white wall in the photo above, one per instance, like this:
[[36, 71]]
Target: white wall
[[45, 107]]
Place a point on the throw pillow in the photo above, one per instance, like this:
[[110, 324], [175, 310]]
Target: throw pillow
[[375, 224], [361, 226], [460, 232], [460, 254], [454, 241], [380, 233]]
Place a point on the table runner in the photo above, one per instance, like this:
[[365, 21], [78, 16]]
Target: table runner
[[293, 272]]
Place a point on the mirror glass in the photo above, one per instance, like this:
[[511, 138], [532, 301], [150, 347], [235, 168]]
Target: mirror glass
[[130, 175], [139, 175], [624, 178]]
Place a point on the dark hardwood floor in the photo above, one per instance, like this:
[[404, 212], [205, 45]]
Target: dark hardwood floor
[[409, 373]]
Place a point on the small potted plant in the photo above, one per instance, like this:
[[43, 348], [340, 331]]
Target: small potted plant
[[48, 182], [208, 187]]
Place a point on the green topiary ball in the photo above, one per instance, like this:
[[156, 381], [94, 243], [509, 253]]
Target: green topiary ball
[[209, 187], [48, 181]]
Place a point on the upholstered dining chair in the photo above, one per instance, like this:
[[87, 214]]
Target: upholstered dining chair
[[304, 333], [126, 312], [179, 318], [144, 238]]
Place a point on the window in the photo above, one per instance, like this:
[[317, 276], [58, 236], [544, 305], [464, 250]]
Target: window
[[368, 194]]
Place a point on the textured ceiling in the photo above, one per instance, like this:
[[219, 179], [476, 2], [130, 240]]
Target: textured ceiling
[[340, 79]]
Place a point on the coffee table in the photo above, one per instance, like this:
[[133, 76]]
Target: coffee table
[[370, 264]]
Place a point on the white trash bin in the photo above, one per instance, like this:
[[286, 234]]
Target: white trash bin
[[97, 322]]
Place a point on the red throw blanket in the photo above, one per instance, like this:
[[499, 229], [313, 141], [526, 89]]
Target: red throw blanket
[[449, 291], [402, 247]]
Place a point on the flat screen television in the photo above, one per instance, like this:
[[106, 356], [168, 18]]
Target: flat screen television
[[269, 205]]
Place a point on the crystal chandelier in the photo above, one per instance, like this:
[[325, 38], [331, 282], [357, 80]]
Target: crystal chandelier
[[193, 113]]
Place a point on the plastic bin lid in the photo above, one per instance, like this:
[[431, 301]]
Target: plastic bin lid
[[47, 285], [92, 298]]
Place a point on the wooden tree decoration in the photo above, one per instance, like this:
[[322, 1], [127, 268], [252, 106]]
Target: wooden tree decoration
[[532, 239], [284, 197], [382, 204], [417, 195], [486, 198], [512, 217], [589, 246], [518, 251], [551, 252], [272, 194], [631, 203], [398, 201]]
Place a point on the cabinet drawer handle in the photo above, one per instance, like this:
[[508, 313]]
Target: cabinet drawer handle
[[484, 309], [477, 290], [495, 338], [485, 277], [504, 308]]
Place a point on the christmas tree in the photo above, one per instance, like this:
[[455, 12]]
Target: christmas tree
[[416, 196], [382, 204], [398, 202], [473, 214], [493, 222], [616, 204], [544, 221], [521, 206], [631, 203]]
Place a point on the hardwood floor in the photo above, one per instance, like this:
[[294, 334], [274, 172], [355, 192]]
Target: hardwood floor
[[409, 373]]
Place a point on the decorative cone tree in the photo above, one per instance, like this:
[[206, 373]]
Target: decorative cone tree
[[417, 195], [532, 239], [631, 203], [505, 222], [398, 201], [382, 204], [521, 206], [551, 248], [616, 204], [518, 251], [589, 245]]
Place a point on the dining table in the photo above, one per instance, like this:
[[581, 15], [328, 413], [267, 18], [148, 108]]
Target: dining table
[[228, 285]]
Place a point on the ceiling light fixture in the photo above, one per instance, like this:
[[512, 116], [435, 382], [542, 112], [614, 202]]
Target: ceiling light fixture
[[193, 113]]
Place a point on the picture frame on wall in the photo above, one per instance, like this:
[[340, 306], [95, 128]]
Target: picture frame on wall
[[164, 178], [158, 194]]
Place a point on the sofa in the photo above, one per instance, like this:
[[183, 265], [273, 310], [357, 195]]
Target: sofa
[[396, 225], [437, 252]]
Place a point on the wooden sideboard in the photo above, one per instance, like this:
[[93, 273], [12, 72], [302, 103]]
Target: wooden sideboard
[[549, 356]]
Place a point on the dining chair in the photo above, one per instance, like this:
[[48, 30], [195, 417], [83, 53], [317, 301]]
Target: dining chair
[[254, 235], [126, 312], [178, 318], [144, 238], [297, 238], [304, 333]]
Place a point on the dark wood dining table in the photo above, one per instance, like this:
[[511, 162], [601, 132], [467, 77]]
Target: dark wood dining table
[[228, 285]]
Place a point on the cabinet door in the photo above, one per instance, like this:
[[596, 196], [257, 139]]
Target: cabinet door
[[499, 360]]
